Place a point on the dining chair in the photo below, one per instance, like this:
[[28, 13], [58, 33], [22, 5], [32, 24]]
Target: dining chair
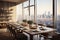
[[56, 36], [50, 26], [41, 24]]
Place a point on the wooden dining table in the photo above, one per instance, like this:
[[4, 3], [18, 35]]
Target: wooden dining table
[[36, 31]]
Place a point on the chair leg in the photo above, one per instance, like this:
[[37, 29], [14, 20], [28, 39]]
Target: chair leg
[[40, 37], [37, 37]]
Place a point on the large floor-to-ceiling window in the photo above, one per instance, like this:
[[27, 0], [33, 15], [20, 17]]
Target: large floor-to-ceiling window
[[39, 11], [45, 12]]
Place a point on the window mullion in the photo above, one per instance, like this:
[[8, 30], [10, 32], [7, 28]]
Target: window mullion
[[35, 11], [29, 8], [22, 11]]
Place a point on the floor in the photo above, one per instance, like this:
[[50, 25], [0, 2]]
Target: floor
[[4, 35]]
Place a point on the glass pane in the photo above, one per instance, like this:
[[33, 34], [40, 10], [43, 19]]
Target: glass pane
[[31, 2], [45, 12], [26, 4], [26, 13], [32, 13], [19, 13], [58, 15]]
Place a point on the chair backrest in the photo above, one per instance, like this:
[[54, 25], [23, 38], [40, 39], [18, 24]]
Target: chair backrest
[[50, 26], [41, 24], [13, 30]]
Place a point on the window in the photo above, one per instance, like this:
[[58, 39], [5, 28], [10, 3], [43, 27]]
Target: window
[[31, 2], [26, 14], [45, 12], [29, 10], [58, 15], [25, 4], [25, 10], [19, 13], [32, 13]]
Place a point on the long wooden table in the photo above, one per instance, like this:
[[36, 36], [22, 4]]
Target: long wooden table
[[38, 31], [33, 32]]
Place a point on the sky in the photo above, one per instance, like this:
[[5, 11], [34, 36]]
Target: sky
[[47, 5], [44, 6], [58, 6]]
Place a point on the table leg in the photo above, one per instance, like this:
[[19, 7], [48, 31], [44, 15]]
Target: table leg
[[31, 37]]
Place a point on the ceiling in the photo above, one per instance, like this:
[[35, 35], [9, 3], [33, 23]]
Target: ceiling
[[17, 1]]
